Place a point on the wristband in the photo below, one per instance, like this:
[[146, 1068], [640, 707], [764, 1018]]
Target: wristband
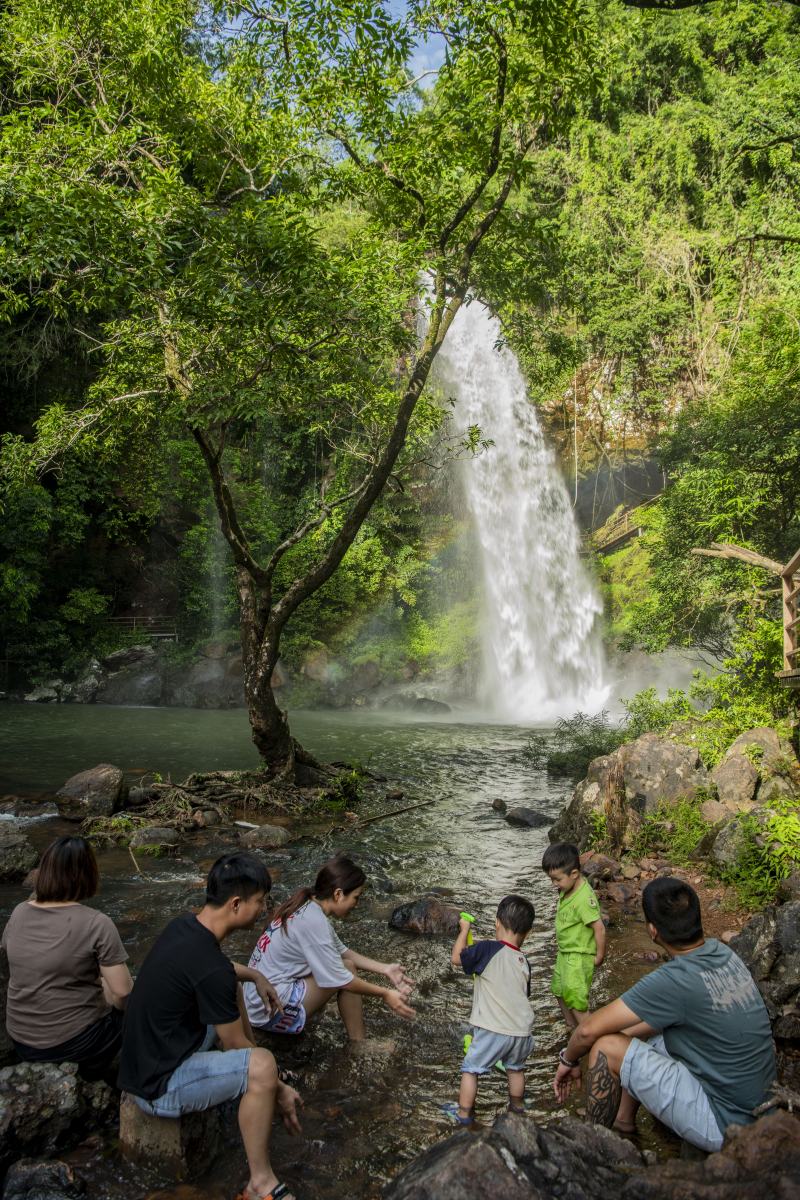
[[567, 1062]]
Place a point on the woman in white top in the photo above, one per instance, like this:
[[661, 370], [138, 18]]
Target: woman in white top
[[307, 964]]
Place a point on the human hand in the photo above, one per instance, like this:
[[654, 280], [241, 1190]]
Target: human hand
[[565, 1080], [464, 925], [599, 959], [289, 1102], [396, 1001], [396, 974], [268, 995]]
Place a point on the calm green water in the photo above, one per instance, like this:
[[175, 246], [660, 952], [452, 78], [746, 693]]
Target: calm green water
[[364, 1118]]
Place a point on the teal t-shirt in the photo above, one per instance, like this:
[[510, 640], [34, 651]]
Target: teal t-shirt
[[714, 1021]]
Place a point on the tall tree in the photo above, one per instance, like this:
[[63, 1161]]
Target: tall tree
[[194, 173]]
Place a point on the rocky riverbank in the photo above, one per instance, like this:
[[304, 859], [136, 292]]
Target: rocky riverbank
[[212, 678]]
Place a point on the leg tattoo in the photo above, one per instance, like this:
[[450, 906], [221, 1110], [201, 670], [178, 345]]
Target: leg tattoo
[[604, 1092]]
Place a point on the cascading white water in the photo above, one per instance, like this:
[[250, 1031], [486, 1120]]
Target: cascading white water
[[542, 650]]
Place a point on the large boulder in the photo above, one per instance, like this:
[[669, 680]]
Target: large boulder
[[646, 773], [658, 771], [98, 792], [41, 1179], [44, 1106], [176, 1148], [207, 683], [266, 837], [517, 1159], [156, 839], [736, 779], [17, 855], [426, 915], [130, 656], [138, 686], [769, 945], [527, 817]]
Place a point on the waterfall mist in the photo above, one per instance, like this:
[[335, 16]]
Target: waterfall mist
[[541, 643]]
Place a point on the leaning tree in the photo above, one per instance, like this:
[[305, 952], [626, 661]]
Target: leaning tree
[[237, 216]]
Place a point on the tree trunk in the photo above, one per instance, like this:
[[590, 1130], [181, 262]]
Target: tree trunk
[[268, 722]]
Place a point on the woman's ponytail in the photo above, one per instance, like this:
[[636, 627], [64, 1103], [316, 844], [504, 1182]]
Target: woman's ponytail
[[337, 873]]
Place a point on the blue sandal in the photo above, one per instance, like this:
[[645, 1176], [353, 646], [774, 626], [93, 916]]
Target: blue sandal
[[450, 1109]]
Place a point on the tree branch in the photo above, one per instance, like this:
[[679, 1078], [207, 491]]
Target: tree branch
[[790, 238], [727, 550], [379, 165], [494, 153]]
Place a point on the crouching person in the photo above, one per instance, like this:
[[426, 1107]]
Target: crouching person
[[187, 1000]]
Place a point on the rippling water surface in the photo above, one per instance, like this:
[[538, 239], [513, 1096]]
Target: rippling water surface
[[365, 1116]]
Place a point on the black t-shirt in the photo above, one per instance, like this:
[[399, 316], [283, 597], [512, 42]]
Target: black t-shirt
[[185, 984]]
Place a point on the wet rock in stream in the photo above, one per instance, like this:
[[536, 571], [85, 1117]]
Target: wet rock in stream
[[35, 1179], [517, 1159], [17, 856], [426, 915], [44, 1106], [99, 792]]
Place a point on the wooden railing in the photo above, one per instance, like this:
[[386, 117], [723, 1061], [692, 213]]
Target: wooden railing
[[627, 525], [790, 581], [163, 628]]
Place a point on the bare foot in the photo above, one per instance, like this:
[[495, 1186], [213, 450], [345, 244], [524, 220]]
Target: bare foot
[[626, 1127]]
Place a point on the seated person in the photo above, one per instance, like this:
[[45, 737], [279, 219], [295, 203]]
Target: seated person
[[68, 981], [306, 962], [185, 999], [691, 1041]]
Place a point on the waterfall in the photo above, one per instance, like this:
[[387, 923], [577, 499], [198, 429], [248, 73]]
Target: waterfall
[[542, 652]]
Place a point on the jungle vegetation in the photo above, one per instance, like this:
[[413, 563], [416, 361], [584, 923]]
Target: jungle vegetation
[[213, 224]]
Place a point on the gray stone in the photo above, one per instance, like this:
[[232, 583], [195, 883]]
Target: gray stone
[[764, 741], [17, 855], [130, 656], [209, 683], [728, 844], [137, 686], [658, 771], [37, 1179], [178, 1148], [527, 817], [736, 780], [775, 788], [757, 944], [266, 837], [98, 792], [156, 837], [575, 821], [85, 689], [570, 1160], [44, 1106], [426, 915], [714, 812], [499, 805], [46, 694]]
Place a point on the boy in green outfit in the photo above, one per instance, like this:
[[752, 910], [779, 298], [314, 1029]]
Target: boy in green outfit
[[580, 932]]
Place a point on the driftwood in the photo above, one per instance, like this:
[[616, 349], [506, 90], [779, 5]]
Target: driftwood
[[395, 812], [781, 1097], [727, 550]]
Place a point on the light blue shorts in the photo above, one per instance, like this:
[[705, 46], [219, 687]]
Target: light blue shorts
[[206, 1078], [487, 1048], [669, 1091]]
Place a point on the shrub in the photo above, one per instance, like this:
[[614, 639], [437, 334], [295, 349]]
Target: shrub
[[572, 745], [674, 830], [770, 851]]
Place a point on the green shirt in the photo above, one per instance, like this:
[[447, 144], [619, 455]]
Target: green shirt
[[575, 915]]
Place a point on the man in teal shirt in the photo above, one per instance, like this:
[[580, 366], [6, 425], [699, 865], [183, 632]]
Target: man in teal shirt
[[691, 1040]]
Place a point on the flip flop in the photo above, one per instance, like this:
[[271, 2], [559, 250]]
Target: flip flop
[[278, 1192]]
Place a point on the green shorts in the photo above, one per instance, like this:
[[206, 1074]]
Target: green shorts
[[572, 979]]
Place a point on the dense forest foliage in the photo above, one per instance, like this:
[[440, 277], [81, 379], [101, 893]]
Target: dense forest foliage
[[646, 265]]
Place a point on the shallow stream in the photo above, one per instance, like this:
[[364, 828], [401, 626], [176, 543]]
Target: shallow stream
[[364, 1116]]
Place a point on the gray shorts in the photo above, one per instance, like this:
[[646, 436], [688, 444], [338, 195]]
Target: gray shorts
[[488, 1048], [669, 1091], [203, 1080]]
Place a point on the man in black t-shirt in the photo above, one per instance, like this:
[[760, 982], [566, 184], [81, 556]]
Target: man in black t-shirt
[[185, 999]]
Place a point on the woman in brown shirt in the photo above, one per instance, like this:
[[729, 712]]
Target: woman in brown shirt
[[68, 979]]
